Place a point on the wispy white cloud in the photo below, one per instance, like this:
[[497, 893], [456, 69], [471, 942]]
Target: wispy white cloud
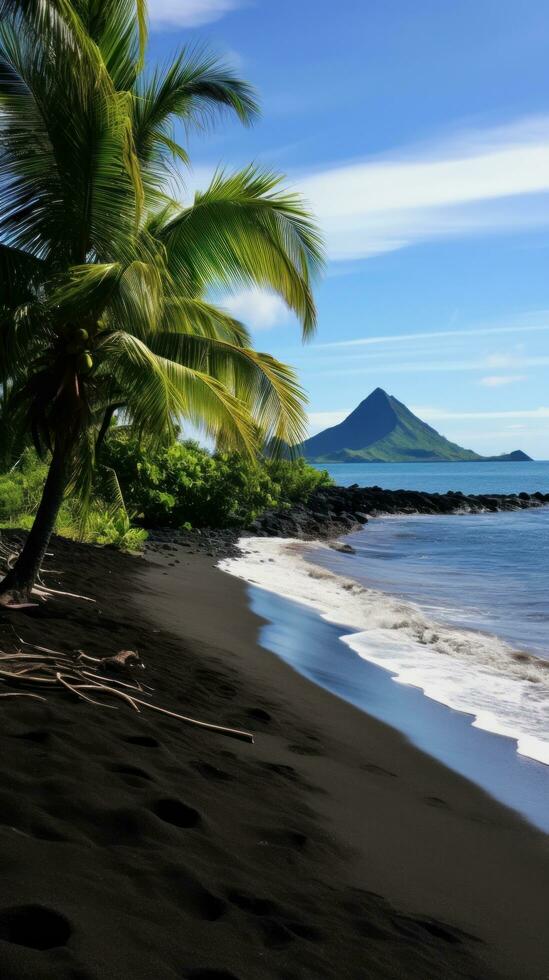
[[431, 414], [523, 324], [257, 308], [478, 182], [188, 13], [500, 360], [420, 366], [500, 380]]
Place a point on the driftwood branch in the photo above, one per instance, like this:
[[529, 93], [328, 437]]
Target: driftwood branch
[[80, 673]]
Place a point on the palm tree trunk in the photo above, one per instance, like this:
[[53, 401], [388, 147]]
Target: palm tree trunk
[[19, 581]]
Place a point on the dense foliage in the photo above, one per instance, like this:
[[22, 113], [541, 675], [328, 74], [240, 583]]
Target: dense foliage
[[181, 485], [184, 485]]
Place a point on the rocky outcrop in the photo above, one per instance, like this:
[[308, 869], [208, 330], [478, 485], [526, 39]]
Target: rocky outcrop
[[332, 511]]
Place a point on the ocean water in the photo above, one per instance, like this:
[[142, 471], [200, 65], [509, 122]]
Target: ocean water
[[440, 477], [456, 606], [314, 648], [482, 572]]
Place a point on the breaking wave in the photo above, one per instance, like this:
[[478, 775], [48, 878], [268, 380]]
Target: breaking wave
[[507, 690]]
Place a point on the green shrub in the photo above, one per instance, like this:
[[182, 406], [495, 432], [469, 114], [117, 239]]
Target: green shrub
[[295, 479], [11, 497], [21, 487], [115, 529], [185, 485]]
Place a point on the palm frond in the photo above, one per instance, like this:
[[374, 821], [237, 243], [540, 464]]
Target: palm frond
[[244, 230], [104, 278], [157, 392], [193, 315], [119, 30], [192, 89], [267, 387], [65, 190], [112, 293]]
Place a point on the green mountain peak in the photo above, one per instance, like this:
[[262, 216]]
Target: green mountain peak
[[382, 429]]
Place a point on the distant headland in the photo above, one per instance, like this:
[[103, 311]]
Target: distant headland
[[382, 430]]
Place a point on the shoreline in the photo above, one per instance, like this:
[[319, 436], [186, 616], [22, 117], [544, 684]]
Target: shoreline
[[324, 655], [400, 638], [329, 847]]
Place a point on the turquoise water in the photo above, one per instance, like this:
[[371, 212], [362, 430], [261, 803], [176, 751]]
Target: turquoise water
[[440, 477]]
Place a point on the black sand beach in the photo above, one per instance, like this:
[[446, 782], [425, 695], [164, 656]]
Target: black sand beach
[[133, 847]]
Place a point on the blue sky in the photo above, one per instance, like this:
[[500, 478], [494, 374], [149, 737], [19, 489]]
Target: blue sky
[[419, 132]]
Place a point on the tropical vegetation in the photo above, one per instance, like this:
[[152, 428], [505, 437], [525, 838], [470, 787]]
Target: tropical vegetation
[[107, 272], [181, 485]]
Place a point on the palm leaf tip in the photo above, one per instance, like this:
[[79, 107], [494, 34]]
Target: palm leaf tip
[[193, 89]]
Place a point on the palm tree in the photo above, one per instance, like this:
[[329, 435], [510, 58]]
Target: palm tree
[[105, 276]]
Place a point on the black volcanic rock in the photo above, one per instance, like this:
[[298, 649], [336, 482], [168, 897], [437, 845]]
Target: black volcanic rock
[[332, 511]]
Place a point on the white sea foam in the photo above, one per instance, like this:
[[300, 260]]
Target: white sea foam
[[506, 690]]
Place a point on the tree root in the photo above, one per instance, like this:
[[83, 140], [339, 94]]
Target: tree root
[[21, 598]]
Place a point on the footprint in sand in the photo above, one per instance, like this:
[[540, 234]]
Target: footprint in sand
[[259, 714], [288, 772], [211, 772], [304, 749], [377, 770], [176, 813], [124, 770], [39, 736], [436, 801], [34, 926], [145, 740], [275, 934], [251, 903], [190, 894]]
